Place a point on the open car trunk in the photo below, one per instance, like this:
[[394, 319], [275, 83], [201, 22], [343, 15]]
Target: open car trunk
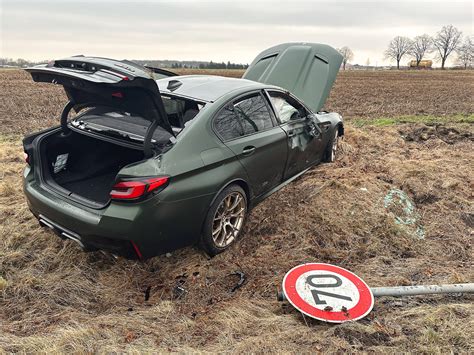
[[83, 167], [123, 105]]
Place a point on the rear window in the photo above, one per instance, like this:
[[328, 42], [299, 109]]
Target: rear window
[[245, 116]]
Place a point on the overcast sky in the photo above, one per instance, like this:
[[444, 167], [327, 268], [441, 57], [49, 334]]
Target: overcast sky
[[215, 30]]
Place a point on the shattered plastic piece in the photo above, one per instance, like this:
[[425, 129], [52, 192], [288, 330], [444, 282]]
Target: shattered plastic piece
[[179, 292], [147, 293], [241, 281], [403, 209]]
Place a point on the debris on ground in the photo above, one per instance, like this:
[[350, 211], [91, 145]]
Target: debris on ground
[[240, 282], [179, 292], [403, 209]]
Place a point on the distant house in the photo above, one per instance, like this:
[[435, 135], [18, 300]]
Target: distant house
[[424, 64]]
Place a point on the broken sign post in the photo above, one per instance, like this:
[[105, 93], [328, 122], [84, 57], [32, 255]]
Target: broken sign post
[[333, 294], [327, 292]]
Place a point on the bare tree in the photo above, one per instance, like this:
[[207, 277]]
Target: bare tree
[[446, 41], [397, 48], [466, 52], [347, 55], [421, 45]]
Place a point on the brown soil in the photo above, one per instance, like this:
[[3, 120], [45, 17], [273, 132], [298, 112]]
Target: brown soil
[[54, 297], [27, 106]]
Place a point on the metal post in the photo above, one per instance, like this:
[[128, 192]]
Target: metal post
[[422, 290], [398, 291]]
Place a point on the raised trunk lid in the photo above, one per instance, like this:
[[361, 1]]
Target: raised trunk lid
[[307, 70], [91, 81]]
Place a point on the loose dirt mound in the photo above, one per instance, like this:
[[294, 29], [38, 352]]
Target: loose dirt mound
[[57, 298], [420, 133]]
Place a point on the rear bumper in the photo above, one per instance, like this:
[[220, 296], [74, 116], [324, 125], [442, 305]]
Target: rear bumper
[[152, 226]]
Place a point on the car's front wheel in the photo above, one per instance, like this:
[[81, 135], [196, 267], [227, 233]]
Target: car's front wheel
[[330, 154], [225, 220]]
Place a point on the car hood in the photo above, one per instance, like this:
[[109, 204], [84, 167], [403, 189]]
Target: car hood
[[91, 81], [307, 70]]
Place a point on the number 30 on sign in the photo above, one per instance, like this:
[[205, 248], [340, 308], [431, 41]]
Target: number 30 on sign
[[327, 292]]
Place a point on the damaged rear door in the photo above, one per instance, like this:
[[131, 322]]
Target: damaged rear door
[[307, 70], [90, 82]]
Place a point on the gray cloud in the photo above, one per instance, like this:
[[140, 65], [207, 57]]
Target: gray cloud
[[217, 30]]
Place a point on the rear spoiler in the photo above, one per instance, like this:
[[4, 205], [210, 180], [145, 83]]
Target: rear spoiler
[[161, 73], [90, 81]]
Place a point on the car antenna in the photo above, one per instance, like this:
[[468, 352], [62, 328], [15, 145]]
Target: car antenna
[[173, 85]]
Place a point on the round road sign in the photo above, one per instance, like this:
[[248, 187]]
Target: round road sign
[[327, 292]]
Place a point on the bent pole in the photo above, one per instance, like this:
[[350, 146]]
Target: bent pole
[[399, 291]]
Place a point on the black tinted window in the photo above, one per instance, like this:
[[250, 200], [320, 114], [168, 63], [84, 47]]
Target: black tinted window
[[244, 117]]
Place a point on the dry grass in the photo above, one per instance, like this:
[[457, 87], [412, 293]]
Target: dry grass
[[58, 299]]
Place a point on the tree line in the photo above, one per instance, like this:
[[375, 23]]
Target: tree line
[[173, 64], [212, 65], [444, 43], [447, 41]]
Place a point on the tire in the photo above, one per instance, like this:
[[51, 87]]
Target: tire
[[225, 220], [330, 154]]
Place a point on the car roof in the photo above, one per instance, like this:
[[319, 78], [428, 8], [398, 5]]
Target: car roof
[[206, 87]]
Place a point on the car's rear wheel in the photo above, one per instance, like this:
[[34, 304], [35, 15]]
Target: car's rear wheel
[[330, 155], [225, 220]]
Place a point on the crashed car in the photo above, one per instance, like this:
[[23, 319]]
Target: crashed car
[[145, 162]]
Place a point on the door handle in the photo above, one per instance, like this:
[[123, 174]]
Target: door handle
[[290, 133], [248, 150]]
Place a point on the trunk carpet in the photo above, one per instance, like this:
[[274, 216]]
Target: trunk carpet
[[96, 188]]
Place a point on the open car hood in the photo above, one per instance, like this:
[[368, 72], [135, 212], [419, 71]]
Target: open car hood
[[307, 70], [92, 81]]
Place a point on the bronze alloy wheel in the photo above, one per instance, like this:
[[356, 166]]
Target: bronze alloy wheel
[[228, 219], [334, 146]]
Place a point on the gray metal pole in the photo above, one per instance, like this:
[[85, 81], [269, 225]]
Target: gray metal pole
[[422, 290], [398, 291]]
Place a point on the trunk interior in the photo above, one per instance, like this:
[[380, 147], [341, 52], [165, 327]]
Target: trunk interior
[[83, 166]]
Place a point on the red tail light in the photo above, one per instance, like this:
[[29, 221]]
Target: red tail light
[[133, 189]]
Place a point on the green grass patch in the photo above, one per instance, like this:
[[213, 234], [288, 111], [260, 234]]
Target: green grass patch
[[390, 121]]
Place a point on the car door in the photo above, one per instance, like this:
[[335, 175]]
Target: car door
[[305, 148], [247, 126]]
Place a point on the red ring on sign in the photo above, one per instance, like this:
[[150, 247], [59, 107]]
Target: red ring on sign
[[360, 310]]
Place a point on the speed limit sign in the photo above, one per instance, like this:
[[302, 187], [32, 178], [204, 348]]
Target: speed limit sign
[[327, 292]]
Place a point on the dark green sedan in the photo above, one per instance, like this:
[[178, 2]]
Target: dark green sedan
[[145, 162]]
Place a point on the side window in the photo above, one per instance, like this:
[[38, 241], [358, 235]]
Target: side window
[[243, 117], [286, 107]]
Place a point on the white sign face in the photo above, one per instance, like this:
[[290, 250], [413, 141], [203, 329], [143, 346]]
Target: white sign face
[[322, 289], [327, 292]]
